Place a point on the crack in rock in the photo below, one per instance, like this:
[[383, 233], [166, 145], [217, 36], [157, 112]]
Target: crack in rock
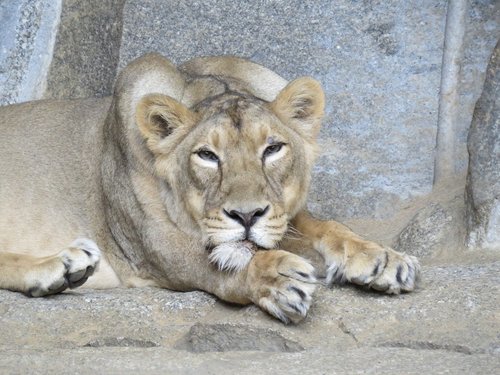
[[426, 345], [347, 331], [120, 342], [226, 337]]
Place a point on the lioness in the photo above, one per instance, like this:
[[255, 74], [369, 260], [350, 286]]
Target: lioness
[[187, 178]]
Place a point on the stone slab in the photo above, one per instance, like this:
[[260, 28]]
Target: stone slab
[[436, 230], [482, 31], [161, 361], [483, 179], [450, 325]]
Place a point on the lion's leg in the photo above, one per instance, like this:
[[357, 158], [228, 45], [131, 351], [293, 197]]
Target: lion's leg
[[350, 258], [277, 281], [38, 277], [282, 284]]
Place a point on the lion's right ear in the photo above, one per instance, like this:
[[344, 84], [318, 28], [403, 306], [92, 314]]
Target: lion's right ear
[[158, 116]]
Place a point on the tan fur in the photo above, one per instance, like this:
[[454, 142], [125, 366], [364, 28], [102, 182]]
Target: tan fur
[[181, 160]]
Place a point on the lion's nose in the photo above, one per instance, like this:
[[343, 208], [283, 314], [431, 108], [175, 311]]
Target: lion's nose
[[247, 219]]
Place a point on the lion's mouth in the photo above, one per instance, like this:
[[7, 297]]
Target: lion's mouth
[[246, 244]]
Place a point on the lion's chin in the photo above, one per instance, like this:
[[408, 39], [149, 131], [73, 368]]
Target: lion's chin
[[232, 256]]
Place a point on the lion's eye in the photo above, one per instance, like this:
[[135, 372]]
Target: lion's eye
[[273, 149], [208, 155]]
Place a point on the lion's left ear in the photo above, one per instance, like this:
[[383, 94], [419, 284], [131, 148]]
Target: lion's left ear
[[159, 117], [301, 105]]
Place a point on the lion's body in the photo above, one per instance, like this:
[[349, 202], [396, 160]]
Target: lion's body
[[50, 164], [178, 162]]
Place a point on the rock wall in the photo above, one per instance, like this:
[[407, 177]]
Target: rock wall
[[27, 36], [381, 64], [86, 51], [483, 179]]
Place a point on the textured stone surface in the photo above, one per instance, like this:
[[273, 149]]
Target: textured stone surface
[[449, 325], [379, 63], [226, 338], [483, 180], [482, 31], [424, 231], [436, 229], [27, 34], [86, 50]]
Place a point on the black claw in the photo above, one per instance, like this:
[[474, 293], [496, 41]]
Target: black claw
[[82, 277], [281, 316], [398, 274], [300, 292], [377, 268], [74, 277], [89, 272], [295, 308], [338, 276], [303, 274], [63, 287], [78, 283], [386, 260]]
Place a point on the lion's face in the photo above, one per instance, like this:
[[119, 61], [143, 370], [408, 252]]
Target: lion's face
[[245, 174], [240, 166]]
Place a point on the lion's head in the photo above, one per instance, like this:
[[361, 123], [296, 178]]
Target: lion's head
[[232, 165]]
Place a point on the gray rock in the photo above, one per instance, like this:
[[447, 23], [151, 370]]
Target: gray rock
[[448, 325], [482, 31], [120, 342], [424, 231], [86, 50], [225, 337], [435, 230], [26, 42], [483, 180], [379, 63]]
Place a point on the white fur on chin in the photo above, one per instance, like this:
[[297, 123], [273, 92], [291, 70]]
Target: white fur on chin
[[232, 256]]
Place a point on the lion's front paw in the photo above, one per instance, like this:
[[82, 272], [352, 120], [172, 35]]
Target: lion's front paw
[[380, 268], [282, 284], [68, 269]]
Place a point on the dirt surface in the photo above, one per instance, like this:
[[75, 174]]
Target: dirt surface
[[451, 324]]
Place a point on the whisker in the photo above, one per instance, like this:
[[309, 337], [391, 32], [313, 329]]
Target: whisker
[[294, 238], [215, 227], [294, 230]]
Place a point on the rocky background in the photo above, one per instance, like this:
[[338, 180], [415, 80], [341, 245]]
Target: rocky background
[[411, 155]]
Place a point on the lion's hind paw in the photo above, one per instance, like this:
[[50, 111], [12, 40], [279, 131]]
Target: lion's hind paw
[[69, 269]]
